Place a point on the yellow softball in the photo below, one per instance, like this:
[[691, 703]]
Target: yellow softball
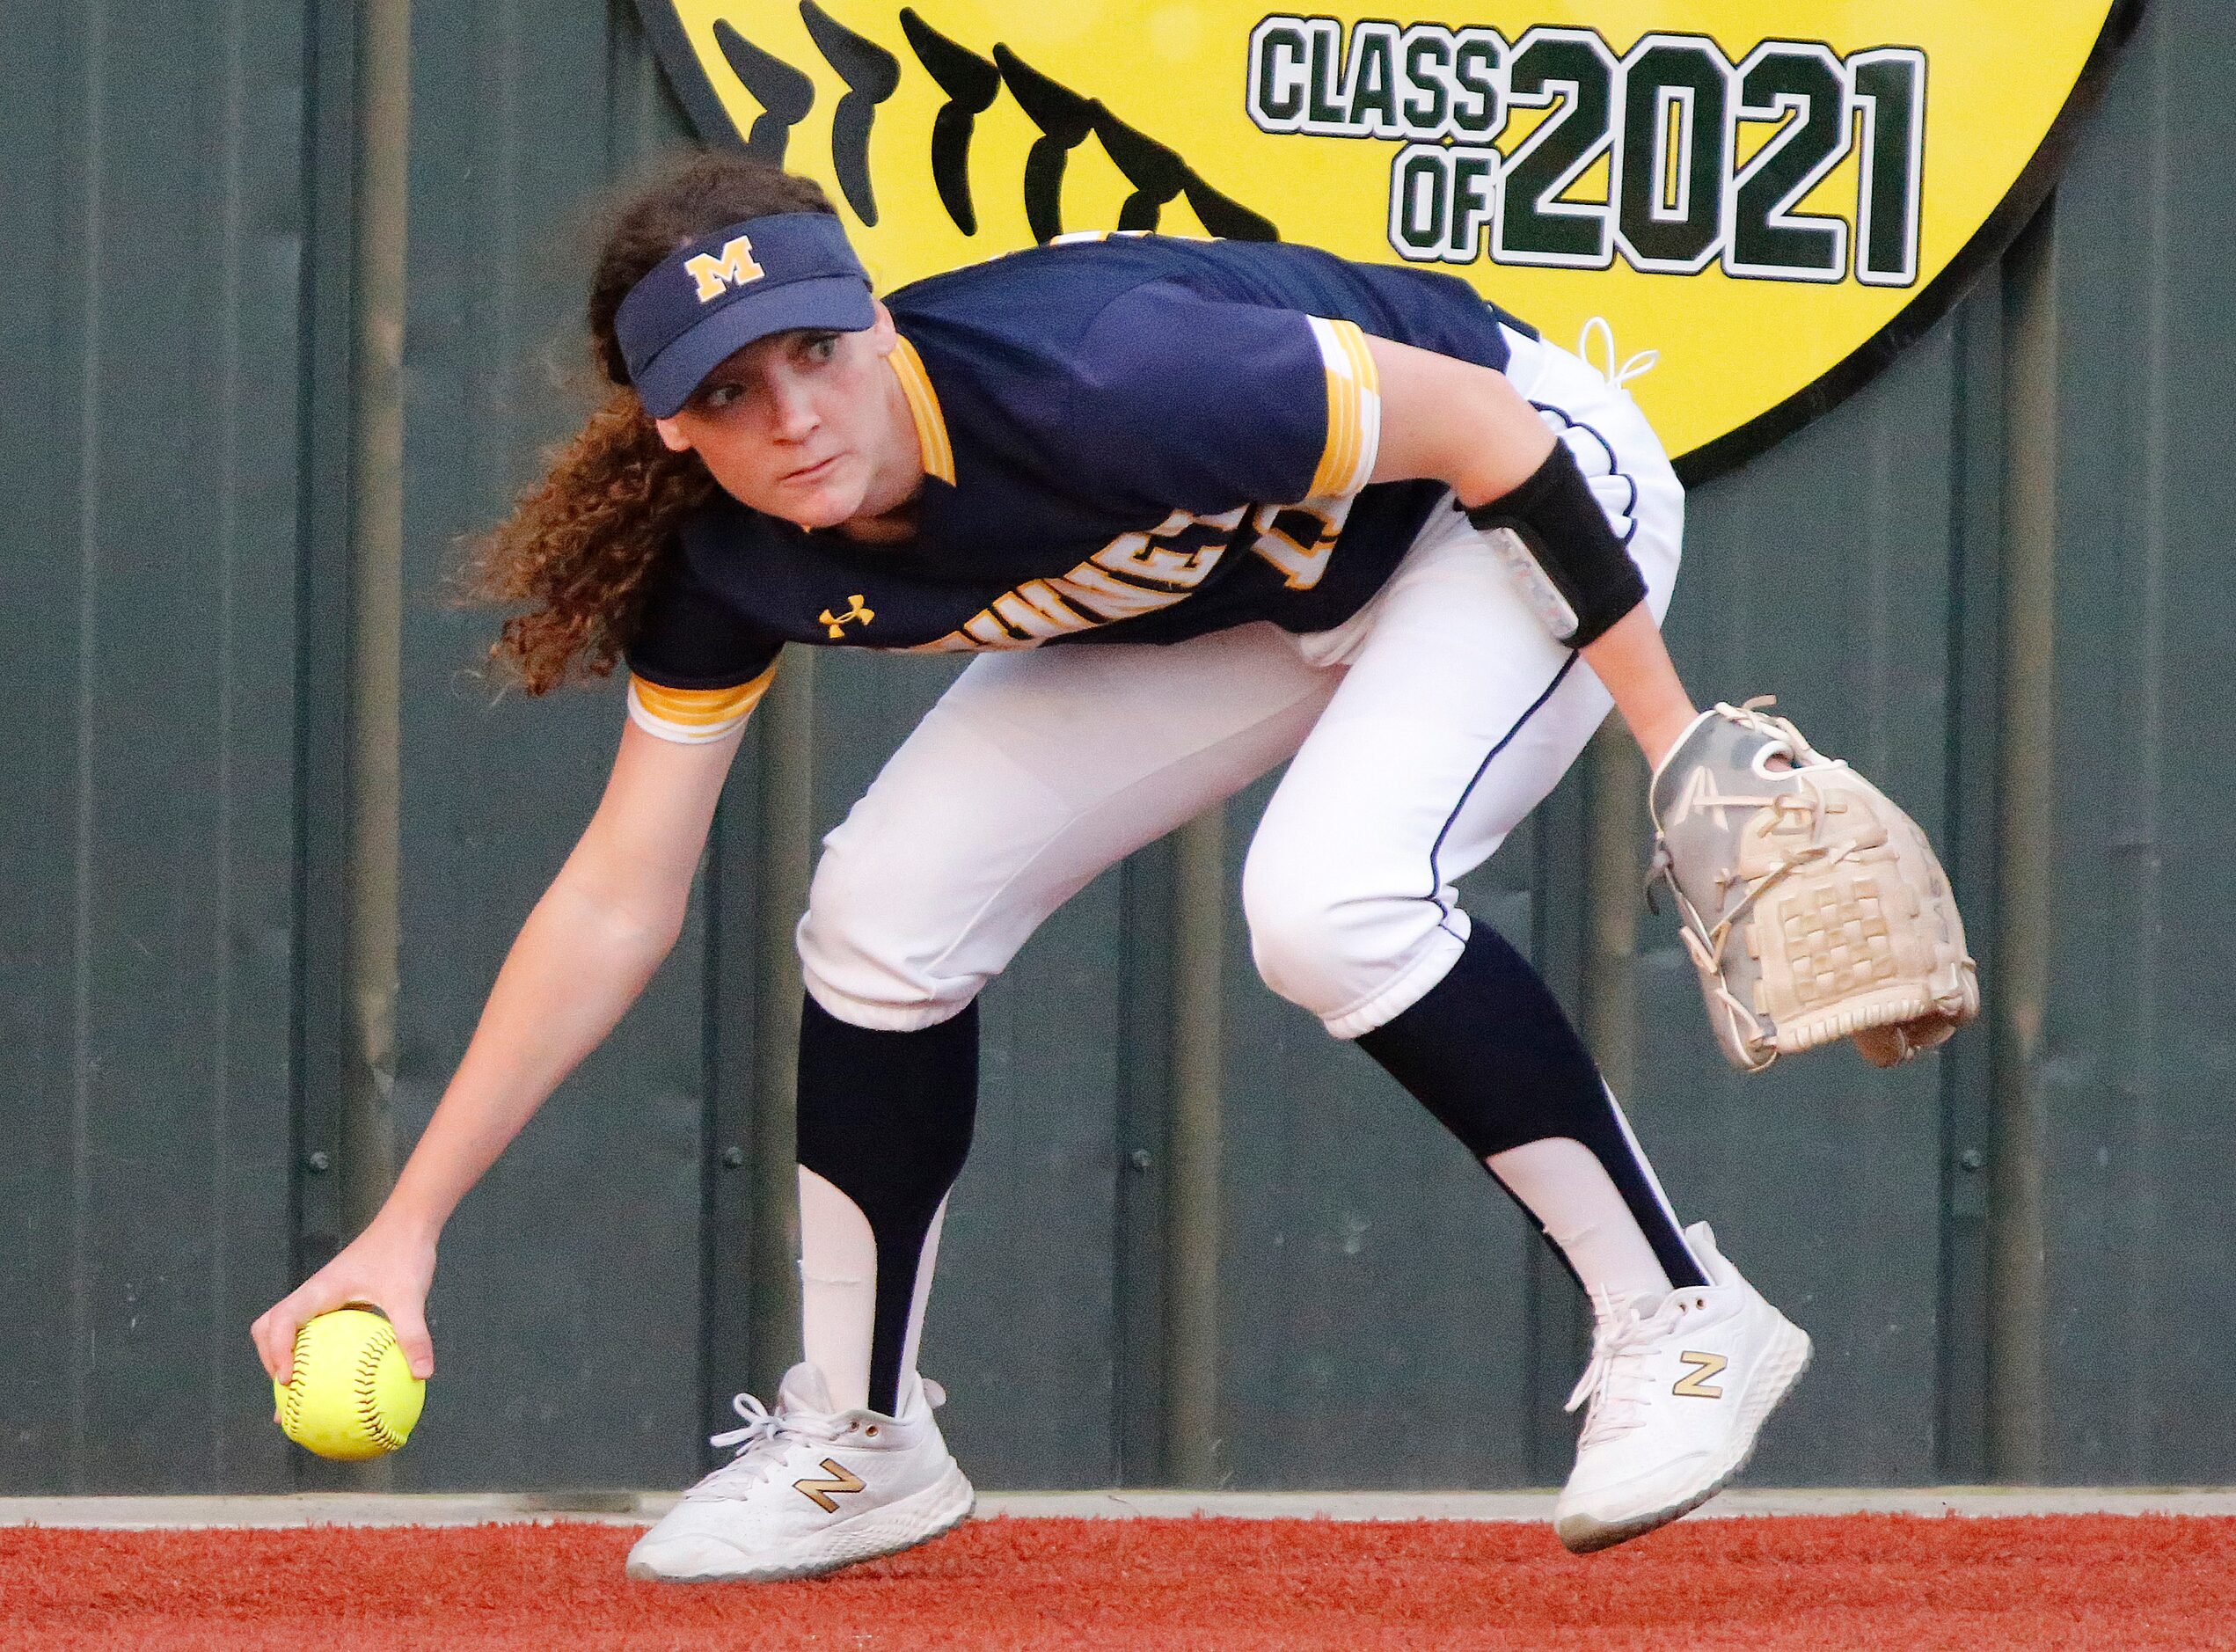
[[352, 1394]]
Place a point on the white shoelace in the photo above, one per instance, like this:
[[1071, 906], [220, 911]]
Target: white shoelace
[[1617, 1381], [762, 1443]]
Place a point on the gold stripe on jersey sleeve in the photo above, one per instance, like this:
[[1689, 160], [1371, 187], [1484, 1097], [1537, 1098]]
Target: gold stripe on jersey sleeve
[[694, 717], [1353, 409], [932, 445]]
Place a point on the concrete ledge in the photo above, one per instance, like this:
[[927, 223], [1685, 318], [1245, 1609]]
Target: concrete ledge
[[626, 1508], [1538, 1505]]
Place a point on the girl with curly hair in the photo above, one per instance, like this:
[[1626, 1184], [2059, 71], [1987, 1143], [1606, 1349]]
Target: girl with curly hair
[[1196, 509]]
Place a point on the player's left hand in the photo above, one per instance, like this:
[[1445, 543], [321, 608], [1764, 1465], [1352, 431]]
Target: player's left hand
[[1891, 1045], [1813, 907]]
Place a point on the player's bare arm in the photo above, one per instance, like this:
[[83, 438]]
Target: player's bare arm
[[610, 918], [1467, 426], [611, 914]]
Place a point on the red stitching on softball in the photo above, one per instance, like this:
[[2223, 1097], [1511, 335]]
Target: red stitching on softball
[[368, 1376], [291, 1407]]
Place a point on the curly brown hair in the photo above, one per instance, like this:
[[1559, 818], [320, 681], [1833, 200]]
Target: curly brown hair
[[581, 543]]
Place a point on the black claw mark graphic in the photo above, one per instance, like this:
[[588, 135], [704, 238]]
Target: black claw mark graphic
[[871, 73], [784, 94], [1155, 172], [1066, 118], [1224, 216], [972, 83]]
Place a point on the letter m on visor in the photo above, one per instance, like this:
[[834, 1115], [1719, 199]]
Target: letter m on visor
[[734, 268]]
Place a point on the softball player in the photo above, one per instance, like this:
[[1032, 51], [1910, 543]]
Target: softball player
[[1199, 508]]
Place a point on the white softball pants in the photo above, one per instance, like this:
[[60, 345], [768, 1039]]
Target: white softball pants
[[1418, 734]]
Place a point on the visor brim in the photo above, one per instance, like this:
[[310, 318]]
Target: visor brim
[[840, 303]]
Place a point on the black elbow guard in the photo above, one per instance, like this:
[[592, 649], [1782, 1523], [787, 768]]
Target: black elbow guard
[[1573, 572]]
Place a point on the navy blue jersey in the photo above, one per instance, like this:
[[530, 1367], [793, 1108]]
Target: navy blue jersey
[[1129, 439]]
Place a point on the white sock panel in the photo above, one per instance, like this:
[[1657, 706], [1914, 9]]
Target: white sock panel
[[1575, 1200], [925, 1262], [837, 1289]]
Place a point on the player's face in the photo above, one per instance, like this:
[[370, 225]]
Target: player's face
[[801, 426]]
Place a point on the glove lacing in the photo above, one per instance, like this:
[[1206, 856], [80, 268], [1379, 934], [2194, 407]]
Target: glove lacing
[[1706, 941]]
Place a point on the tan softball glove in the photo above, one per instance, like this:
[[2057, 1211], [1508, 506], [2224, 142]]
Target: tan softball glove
[[1812, 907]]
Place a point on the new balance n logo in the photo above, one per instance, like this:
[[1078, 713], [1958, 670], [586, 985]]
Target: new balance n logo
[[1704, 1366], [839, 622], [734, 268], [819, 1491]]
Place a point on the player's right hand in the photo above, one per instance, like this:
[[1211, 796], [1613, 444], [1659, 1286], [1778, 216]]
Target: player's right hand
[[387, 1267]]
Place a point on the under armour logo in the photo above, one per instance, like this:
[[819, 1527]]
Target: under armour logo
[[818, 1491], [839, 622]]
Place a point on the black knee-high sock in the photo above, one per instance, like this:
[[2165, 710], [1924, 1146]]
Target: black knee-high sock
[[885, 1118], [1489, 1051]]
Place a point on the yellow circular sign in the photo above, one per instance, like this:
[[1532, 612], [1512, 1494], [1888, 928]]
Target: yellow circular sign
[[1759, 202]]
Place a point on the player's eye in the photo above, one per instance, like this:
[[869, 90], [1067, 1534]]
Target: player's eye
[[718, 396], [819, 347]]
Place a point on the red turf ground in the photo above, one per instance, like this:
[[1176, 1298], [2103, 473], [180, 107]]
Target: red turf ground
[[1859, 1582]]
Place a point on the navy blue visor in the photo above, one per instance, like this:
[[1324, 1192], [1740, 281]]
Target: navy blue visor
[[708, 300]]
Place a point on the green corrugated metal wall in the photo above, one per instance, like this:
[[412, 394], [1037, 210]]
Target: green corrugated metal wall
[[289, 294]]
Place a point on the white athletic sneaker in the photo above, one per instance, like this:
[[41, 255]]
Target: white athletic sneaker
[[1677, 1397], [810, 1489]]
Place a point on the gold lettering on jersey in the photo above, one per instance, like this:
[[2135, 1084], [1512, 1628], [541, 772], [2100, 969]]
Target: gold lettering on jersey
[[1034, 611], [733, 268], [983, 630], [839, 622], [1136, 574], [1298, 539], [1108, 597], [1185, 565]]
